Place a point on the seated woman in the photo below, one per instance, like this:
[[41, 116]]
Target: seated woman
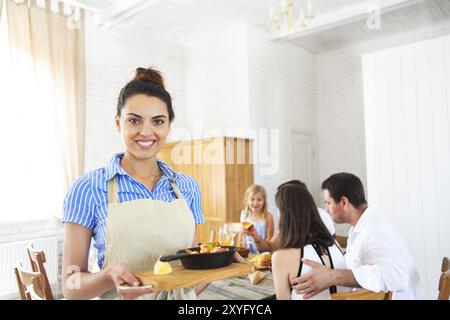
[[301, 234], [255, 203]]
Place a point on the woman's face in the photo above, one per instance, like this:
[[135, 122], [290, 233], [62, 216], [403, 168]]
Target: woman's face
[[144, 125], [256, 202]]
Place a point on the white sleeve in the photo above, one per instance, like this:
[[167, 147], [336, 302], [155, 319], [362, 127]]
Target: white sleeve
[[382, 266]]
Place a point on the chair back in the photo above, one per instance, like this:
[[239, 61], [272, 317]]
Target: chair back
[[361, 295], [20, 285], [37, 260], [34, 293], [32, 283], [444, 281]]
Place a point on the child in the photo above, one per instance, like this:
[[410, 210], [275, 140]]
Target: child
[[255, 201]]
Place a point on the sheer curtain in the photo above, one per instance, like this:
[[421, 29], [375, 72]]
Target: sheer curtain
[[42, 103]]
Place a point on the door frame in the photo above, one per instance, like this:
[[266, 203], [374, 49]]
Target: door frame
[[314, 189]]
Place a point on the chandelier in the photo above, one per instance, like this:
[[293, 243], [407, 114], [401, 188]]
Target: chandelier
[[287, 23]]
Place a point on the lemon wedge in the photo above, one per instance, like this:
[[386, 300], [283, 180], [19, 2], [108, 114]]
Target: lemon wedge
[[162, 268]]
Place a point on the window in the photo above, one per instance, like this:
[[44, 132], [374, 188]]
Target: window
[[32, 185]]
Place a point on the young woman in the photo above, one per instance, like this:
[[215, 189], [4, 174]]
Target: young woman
[[255, 202], [136, 208], [301, 234]]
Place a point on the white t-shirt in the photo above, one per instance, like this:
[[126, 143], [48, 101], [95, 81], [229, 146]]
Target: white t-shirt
[[338, 263], [379, 258], [327, 220]]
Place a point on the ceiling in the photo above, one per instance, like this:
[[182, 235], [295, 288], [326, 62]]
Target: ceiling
[[340, 22], [395, 22]]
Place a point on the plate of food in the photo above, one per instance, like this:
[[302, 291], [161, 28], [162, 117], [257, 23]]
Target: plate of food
[[262, 261]]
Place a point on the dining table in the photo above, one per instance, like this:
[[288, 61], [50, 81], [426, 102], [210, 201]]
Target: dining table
[[240, 288]]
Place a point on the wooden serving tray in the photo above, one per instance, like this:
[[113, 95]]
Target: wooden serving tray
[[187, 278]]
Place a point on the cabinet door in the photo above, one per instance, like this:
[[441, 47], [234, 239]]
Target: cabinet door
[[238, 175], [222, 183]]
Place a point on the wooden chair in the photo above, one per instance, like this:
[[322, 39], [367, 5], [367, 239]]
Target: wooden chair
[[34, 294], [361, 295], [20, 285], [31, 282], [444, 281], [37, 260]]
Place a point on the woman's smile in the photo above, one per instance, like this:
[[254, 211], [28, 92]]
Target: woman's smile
[[145, 144]]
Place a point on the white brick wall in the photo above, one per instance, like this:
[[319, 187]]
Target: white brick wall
[[281, 92], [340, 115], [216, 78], [339, 97]]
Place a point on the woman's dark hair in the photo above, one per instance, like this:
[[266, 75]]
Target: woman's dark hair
[[297, 182], [345, 185], [300, 223], [149, 82]]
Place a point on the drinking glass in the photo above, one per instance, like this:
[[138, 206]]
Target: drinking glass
[[226, 238], [246, 219]]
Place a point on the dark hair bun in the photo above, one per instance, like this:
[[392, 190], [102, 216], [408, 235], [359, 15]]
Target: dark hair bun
[[150, 75]]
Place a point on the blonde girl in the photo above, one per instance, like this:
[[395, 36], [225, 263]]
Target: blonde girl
[[255, 201]]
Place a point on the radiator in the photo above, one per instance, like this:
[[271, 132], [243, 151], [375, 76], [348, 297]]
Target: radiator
[[14, 252]]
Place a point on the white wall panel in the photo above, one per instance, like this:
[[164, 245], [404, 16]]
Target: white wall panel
[[408, 148]]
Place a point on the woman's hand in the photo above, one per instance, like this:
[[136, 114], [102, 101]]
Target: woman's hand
[[251, 231], [238, 258], [127, 285], [314, 281], [199, 289]]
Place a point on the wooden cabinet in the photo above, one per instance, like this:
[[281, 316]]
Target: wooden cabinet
[[223, 168]]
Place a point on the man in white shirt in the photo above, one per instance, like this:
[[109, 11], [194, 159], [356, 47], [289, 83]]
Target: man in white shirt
[[264, 245], [377, 258]]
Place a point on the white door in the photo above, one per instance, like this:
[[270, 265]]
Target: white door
[[303, 160]]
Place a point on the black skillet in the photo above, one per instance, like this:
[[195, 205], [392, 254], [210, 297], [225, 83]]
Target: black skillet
[[202, 260]]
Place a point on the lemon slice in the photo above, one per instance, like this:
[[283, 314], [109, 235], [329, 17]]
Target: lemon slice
[[162, 268]]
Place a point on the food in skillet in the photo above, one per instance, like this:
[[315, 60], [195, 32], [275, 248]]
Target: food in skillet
[[208, 248]]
